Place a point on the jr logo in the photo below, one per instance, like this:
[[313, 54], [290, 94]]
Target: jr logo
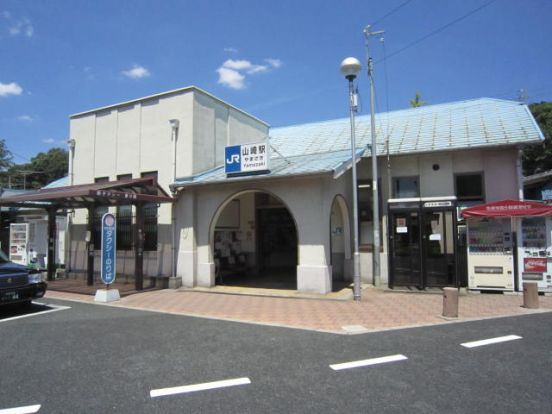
[[232, 159]]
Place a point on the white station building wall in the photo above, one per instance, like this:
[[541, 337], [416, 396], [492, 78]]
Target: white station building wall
[[135, 138]]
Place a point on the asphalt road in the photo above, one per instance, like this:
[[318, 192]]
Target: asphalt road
[[98, 359]]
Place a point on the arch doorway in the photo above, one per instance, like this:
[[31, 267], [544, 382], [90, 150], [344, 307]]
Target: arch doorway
[[255, 242], [340, 244]]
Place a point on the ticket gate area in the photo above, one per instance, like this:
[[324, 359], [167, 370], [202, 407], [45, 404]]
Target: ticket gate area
[[422, 243]]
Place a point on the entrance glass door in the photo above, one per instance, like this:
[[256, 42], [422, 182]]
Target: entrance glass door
[[438, 242], [405, 249], [422, 245]]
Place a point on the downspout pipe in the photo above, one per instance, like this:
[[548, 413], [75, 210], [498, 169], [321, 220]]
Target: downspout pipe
[[71, 143], [175, 124], [519, 172]]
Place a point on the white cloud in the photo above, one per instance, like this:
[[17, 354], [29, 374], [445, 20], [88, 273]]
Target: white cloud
[[49, 141], [232, 73], [136, 72], [231, 50], [275, 63], [231, 78], [12, 88], [17, 26], [25, 118], [244, 65]]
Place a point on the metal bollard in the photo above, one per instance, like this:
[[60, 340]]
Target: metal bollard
[[530, 295], [450, 302]]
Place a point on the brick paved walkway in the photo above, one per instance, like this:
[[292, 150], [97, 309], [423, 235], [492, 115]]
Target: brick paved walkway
[[379, 310]]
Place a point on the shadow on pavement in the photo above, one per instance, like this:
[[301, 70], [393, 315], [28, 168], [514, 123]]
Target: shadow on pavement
[[15, 309]]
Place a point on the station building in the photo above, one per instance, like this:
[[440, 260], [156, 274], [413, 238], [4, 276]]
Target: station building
[[290, 227]]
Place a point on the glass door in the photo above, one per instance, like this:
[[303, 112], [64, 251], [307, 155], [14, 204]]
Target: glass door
[[439, 248], [405, 249]]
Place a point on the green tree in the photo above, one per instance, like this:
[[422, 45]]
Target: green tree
[[43, 168], [538, 158], [49, 165], [5, 156], [417, 101]]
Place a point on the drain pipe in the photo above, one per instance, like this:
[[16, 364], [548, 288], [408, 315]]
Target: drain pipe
[[71, 144], [175, 123], [519, 171]]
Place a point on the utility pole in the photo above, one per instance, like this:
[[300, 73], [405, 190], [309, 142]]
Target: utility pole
[[376, 268]]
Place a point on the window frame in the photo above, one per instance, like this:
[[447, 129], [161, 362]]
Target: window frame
[[481, 174], [151, 219], [368, 247], [394, 181]]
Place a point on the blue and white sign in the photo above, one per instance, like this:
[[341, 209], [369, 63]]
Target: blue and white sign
[[109, 248], [246, 159]]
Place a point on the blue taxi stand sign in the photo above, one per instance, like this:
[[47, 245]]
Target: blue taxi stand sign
[[108, 259], [109, 244]]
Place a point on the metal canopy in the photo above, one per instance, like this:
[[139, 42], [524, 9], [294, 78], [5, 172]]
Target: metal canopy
[[109, 193], [137, 192]]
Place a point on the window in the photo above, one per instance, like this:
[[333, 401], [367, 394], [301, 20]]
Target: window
[[150, 220], [406, 187], [365, 212], [124, 228], [97, 219], [469, 189], [97, 236], [150, 227], [124, 222]]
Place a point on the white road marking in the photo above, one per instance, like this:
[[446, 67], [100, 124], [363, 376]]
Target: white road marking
[[491, 341], [366, 362], [56, 308], [199, 387], [29, 409]]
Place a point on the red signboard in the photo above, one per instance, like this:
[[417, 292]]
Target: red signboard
[[508, 208], [534, 264]]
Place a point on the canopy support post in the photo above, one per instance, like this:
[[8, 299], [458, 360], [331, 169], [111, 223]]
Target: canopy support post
[[90, 247], [51, 266], [139, 248]]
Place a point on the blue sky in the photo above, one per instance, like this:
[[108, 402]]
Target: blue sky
[[278, 60]]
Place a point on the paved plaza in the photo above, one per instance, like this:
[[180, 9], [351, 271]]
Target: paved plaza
[[378, 310]]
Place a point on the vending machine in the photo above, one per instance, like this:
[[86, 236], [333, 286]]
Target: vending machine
[[490, 253], [19, 243], [535, 251]]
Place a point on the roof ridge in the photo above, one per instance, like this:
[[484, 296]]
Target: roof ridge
[[425, 108]]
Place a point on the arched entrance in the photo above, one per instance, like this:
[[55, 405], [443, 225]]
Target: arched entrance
[[340, 241], [254, 242]]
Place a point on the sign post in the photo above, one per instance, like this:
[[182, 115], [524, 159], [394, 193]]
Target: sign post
[[108, 259]]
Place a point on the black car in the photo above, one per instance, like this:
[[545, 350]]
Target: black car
[[19, 284]]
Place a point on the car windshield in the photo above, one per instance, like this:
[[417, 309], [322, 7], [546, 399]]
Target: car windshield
[[3, 257]]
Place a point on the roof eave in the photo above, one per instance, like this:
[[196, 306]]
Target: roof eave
[[177, 186]]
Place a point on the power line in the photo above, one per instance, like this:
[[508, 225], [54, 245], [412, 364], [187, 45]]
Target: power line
[[440, 29], [21, 156], [389, 13]]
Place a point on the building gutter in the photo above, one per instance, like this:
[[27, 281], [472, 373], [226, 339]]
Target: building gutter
[[174, 187]]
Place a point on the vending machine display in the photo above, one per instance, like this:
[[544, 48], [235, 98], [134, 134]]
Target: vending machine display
[[535, 252], [490, 254], [19, 240]]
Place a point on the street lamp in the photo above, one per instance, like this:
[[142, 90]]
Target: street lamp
[[350, 68]]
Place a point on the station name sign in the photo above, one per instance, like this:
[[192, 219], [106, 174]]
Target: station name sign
[[246, 159]]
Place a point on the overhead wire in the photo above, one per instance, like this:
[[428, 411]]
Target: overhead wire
[[392, 11], [440, 29], [387, 138]]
